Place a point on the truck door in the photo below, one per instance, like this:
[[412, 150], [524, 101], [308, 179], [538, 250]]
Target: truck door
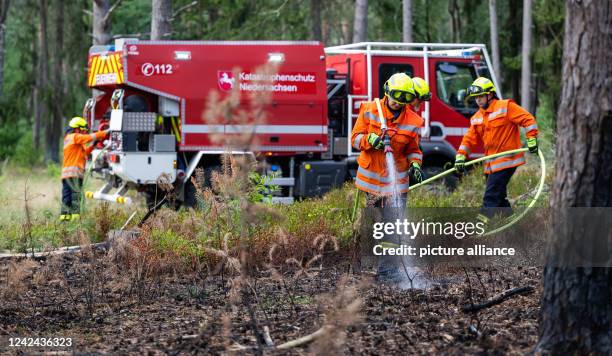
[[452, 80], [450, 112]]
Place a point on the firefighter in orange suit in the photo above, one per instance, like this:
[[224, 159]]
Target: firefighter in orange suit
[[78, 144], [496, 124], [403, 127], [373, 176]]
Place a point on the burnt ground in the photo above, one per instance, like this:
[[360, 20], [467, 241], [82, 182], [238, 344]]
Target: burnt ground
[[109, 305]]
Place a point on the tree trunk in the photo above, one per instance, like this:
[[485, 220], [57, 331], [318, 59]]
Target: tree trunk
[[4, 7], [53, 131], [40, 91], [513, 24], [360, 24], [576, 309], [427, 21], [101, 22], [470, 20], [345, 31], [160, 19], [407, 20], [455, 14], [315, 10], [494, 39], [526, 58]]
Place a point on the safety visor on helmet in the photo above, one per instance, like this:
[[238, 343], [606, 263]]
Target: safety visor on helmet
[[82, 126], [425, 97], [402, 97], [475, 90]]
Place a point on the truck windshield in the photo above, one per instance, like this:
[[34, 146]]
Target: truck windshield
[[453, 78]]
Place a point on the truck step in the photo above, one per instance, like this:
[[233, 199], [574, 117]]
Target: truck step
[[282, 200], [284, 182]]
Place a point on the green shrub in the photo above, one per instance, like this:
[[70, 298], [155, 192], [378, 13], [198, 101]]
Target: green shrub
[[54, 170], [25, 155], [9, 137]]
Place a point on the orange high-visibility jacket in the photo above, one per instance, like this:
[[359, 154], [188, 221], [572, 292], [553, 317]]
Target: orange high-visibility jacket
[[77, 147], [372, 174], [498, 128]]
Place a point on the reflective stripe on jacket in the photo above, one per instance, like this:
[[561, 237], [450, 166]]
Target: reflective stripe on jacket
[[76, 148], [372, 175], [497, 128]]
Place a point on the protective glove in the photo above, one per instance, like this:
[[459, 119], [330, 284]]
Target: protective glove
[[415, 173], [375, 141], [460, 163], [532, 144]]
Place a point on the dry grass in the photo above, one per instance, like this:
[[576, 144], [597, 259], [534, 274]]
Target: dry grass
[[44, 194]]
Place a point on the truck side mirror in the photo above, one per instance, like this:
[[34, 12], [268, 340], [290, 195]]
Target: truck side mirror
[[461, 95]]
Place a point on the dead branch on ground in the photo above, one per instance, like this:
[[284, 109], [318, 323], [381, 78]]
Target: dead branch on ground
[[498, 299]]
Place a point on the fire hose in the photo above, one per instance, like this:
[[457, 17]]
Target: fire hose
[[531, 204], [516, 219]]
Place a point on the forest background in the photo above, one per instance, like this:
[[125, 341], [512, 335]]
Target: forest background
[[44, 46]]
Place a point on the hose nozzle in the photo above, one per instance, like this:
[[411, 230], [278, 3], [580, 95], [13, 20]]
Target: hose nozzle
[[386, 136]]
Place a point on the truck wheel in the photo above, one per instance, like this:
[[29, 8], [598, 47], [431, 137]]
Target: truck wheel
[[450, 181]]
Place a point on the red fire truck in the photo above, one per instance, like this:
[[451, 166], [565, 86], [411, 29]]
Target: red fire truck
[[153, 94]]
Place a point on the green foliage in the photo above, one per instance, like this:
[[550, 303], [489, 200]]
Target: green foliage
[[9, 138], [262, 193], [132, 19], [548, 16], [331, 212], [54, 170], [25, 155]]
